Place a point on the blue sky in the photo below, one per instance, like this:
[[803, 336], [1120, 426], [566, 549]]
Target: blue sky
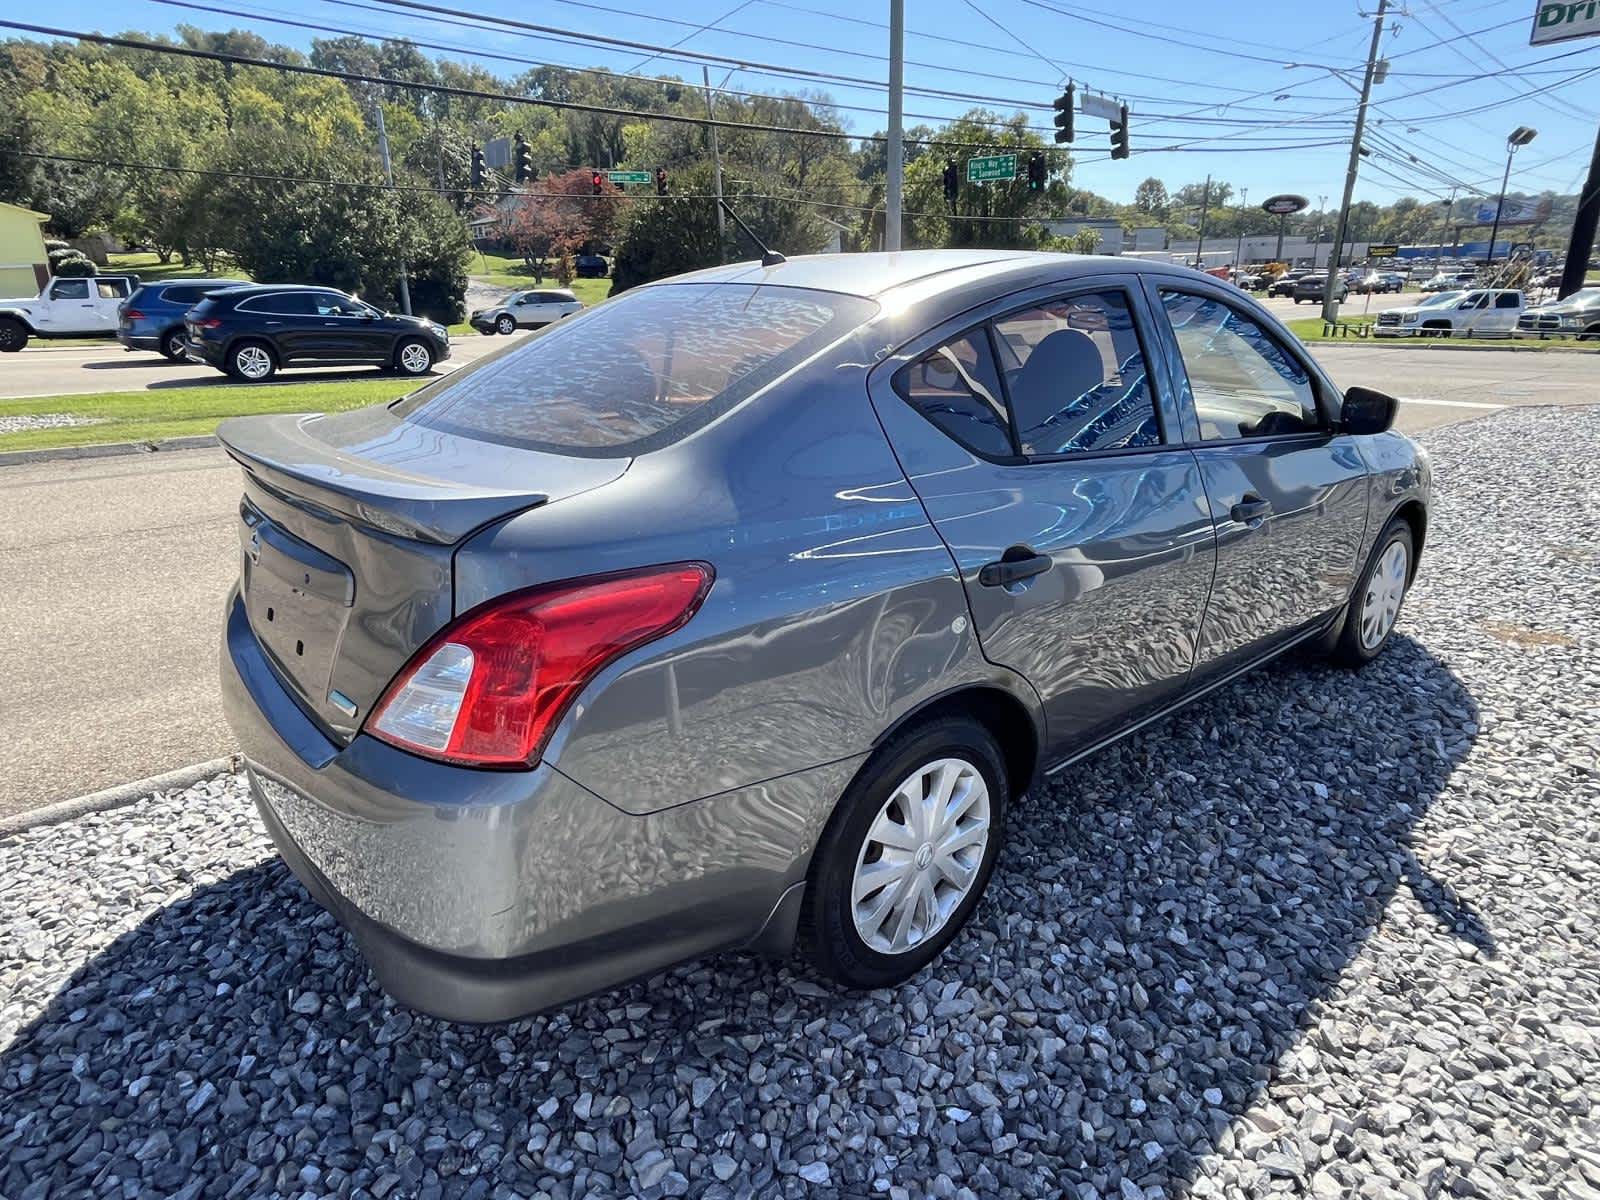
[[1211, 79]]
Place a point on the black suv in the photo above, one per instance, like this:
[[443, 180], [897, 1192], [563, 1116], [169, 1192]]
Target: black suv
[[249, 332]]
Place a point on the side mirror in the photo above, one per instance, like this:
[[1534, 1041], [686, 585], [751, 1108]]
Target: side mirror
[[1366, 411]]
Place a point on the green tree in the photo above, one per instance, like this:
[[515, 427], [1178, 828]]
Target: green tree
[[1150, 197]]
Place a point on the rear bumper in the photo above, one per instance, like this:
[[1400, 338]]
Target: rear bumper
[[139, 341], [485, 895]]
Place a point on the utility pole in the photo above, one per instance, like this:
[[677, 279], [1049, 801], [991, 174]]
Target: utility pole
[[1584, 222], [1330, 306], [388, 173], [1238, 249], [716, 164], [1200, 246], [1449, 210], [897, 71]]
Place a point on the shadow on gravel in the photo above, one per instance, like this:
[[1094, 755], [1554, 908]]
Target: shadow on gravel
[[1157, 936]]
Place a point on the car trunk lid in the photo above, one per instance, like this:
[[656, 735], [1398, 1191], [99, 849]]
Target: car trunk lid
[[348, 527]]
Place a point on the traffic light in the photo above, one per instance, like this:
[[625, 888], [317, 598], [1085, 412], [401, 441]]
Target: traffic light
[[1036, 172], [595, 182], [661, 181], [523, 161], [1119, 134], [952, 183], [477, 168], [1064, 104]]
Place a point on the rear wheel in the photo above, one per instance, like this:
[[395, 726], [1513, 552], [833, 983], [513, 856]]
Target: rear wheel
[[1375, 604], [906, 856], [506, 323], [412, 357], [13, 335], [252, 362], [172, 345]]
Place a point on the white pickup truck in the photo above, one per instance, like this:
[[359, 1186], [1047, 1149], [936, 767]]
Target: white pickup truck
[[1481, 312], [65, 308]]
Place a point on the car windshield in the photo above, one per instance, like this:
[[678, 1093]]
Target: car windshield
[[1441, 299], [640, 371]]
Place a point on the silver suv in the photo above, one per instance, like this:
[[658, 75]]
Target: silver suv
[[738, 611]]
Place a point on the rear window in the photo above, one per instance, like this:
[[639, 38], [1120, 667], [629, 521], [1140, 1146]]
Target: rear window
[[639, 372]]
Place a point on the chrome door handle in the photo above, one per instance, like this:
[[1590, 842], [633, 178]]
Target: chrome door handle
[[1017, 564], [1250, 508]]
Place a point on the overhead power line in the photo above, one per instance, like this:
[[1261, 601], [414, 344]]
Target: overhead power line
[[478, 93]]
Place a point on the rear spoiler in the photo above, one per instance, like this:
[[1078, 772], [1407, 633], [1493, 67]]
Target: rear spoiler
[[280, 453]]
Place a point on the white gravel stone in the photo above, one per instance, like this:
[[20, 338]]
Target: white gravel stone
[[1323, 934]]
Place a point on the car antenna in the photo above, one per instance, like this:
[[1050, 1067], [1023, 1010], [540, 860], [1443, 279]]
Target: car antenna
[[769, 256]]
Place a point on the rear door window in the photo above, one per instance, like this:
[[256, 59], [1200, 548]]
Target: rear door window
[[1076, 376], [1508, 300], [640, 371]]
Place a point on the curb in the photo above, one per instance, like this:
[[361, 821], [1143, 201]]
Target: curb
[[21, 458], [115, 797]]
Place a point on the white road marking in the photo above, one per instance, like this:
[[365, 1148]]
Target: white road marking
[[1448, 403]]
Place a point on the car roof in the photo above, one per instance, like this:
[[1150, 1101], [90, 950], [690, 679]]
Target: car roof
[[161, 283], [874, 274], [247, 289]]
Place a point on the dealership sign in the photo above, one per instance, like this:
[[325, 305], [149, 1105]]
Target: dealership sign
[[1282, 206], [1389, 251], [1554, 21], [1515, 212]]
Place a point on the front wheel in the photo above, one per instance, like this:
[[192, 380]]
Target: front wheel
[[13, 335], [413, 358], [906, 856], [1375, 604], [506, 323]]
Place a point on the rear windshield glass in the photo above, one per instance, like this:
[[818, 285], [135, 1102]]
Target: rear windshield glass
[[639, 372]]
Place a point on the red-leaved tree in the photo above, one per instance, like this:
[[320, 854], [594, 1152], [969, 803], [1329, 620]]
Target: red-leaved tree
[[559, 217]]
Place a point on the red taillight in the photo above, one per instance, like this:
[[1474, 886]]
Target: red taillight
[[488, 690], [133, 314], [210, 323]]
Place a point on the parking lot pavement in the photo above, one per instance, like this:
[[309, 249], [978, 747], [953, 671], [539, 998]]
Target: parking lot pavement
[[1324, 933], [65, 369]]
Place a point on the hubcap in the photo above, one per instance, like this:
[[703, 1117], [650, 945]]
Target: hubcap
[[414, 358], [507, 325], [1385, 590], [175, 347], [253, 362], [921, 856]]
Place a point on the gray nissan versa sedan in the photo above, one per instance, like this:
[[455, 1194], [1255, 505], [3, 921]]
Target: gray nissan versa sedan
[[738, 610]]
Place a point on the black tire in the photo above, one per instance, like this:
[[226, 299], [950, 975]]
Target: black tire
[[1352, 650], [828, 938], [418, 367], [238, 349], [172, 345], [505, 323], [13, 335]]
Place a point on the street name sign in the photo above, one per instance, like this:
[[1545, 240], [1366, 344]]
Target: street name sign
[[1557, 21], [992, 167], [628, 176]]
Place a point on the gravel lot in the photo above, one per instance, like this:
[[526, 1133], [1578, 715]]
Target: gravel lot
[[1323, 934]]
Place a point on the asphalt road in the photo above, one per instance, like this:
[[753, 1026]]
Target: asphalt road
[[115, 571], [76, 368]]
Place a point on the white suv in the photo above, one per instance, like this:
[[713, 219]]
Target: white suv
[[527, 310]]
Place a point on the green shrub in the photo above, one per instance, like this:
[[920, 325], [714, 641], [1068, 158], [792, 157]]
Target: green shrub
[[73, 267]]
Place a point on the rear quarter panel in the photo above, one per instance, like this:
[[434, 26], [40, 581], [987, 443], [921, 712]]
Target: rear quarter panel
[[836, 607]]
